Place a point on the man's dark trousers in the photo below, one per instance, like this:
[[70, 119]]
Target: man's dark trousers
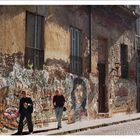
[[28, 117]]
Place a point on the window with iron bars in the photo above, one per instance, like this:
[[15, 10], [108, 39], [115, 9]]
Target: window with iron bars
[[124, 61], [75, 51], [34, 50]]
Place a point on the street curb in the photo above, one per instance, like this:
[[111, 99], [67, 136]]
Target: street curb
[[92, 127]]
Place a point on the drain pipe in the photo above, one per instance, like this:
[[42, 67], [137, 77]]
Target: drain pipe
[[90, 45], [90, 36]]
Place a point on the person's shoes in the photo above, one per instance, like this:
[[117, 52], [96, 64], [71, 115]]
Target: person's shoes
[[31, 132], [59, 127], [17, 133]]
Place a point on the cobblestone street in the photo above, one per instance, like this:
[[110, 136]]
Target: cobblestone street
[[128, 128]]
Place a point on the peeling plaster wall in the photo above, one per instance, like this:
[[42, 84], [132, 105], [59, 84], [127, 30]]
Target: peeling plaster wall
[[12, 25], [58, 23], [13, 33]]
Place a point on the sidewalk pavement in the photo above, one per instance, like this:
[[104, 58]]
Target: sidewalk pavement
[[85, 124]]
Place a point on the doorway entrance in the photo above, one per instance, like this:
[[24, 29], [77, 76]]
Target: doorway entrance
[[102, 70], [138, 82]]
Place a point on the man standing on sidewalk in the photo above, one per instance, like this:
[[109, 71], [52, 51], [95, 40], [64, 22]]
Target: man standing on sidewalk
[[58, 102], [25, 111]]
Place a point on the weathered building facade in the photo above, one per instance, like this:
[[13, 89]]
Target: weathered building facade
[[114, 38], [137, 38], [88, 52]]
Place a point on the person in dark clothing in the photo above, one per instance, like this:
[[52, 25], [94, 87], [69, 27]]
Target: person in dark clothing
[[58, 102], [25, 111]]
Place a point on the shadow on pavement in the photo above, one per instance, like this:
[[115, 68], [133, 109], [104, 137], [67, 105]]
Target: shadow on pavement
[[37, 131], [23, 133]]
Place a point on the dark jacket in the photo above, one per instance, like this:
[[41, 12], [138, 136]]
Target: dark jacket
[[29, 108], [59, 101]]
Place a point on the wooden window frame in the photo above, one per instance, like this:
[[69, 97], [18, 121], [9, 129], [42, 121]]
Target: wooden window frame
[[37, 48], [75, 51]]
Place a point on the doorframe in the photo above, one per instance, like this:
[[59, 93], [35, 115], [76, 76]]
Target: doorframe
[[102, 96], [105, 62], [138, 91]]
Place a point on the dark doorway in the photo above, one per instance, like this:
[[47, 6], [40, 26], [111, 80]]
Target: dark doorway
[[138, 82], [102, 99], [102, 70]]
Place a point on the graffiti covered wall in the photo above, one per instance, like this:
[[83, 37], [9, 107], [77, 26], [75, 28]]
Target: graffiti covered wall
[[41, 86]]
